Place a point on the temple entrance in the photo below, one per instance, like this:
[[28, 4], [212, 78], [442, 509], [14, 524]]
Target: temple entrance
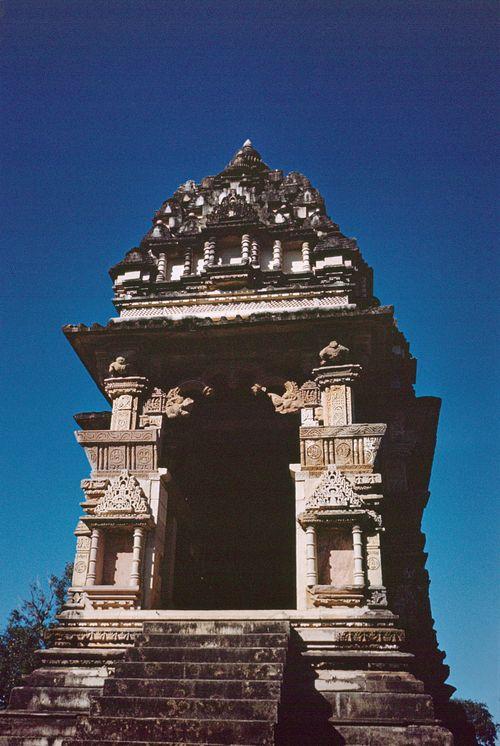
[[239, 540]]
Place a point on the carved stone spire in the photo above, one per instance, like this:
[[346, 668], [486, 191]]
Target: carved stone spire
[[246, 159]]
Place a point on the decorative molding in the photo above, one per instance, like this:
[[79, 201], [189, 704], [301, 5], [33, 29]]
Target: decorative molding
[[123, 496], [334, 490], [344, 431], [108, 436]]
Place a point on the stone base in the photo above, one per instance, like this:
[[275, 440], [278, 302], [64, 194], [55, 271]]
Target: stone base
[[346, 681]]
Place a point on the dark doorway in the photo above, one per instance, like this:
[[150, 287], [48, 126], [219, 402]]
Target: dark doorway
[[234, 473]]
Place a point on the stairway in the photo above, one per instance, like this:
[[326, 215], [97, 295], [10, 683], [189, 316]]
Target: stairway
[[199, 682]]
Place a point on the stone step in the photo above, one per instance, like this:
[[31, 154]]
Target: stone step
[[51, 698], [192, 670], [32, 741], [85, 742], [193, 709], [256, 640], [67, 677], [176, 730], [78, 656], [375, 706], [204, 688], [208, 655], [21, 723], [376, 735], [211, 627]]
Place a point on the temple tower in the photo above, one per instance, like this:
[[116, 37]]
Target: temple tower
[[264, 461]]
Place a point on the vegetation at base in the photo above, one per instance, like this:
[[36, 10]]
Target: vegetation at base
[[474, 725], [25, 630]]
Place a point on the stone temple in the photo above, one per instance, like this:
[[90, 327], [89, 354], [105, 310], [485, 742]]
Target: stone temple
[[249, 564]]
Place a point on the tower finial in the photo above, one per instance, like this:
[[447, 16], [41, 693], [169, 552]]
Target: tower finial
[[247, 143]]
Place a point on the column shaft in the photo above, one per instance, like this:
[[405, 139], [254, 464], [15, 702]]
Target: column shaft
[[245, 248], [135, 572], [206, 253], [254, 254], [277, 255], [188, 260], [357, 545], [311, 556], [162, 268], [306, 257], [94, 548], [211, 252]]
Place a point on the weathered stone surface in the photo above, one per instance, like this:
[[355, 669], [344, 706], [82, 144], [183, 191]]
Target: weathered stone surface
[[204, 692]]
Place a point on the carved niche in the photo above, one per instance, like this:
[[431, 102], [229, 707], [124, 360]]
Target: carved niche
[[233, 209]]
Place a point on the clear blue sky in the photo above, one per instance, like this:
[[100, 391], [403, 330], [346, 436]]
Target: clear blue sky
[[387, 106]]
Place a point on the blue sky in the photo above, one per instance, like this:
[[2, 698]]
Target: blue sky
[[387, 106]]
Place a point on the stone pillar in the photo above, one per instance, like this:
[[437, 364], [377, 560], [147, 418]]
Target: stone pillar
[[94, 549], [357, 546], [306, 257], [211, 252], [254, 253], [311, 556], [188, 261], [125, 393], [135, 572], [277, 257], [206, 254], [337, 399], [162, 268], [245, 248]]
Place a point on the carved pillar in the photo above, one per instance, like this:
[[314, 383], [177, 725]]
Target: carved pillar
[[94, 549], [135, 572], [206, 254], [211, 252], [311, 556], [254, 254], [277, 257], [357, 545], [245, 248], [125, 393], [306, 257], [162, 268], [336, 384], [188, 261]]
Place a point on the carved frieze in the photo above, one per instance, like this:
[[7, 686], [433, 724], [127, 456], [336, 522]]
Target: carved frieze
[[310, 394], [349, 446], [109, 450]]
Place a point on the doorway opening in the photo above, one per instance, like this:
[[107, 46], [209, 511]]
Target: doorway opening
[[238, 551]]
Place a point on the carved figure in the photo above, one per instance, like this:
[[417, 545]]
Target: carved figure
[[176, 405], [290, 402], [333, 354], [119, 367]]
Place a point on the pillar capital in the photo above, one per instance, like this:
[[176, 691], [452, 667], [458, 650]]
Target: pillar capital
[[335, 375], [126, 385]]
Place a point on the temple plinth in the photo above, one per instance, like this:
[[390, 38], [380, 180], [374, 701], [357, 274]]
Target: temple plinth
[[249, 562]]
